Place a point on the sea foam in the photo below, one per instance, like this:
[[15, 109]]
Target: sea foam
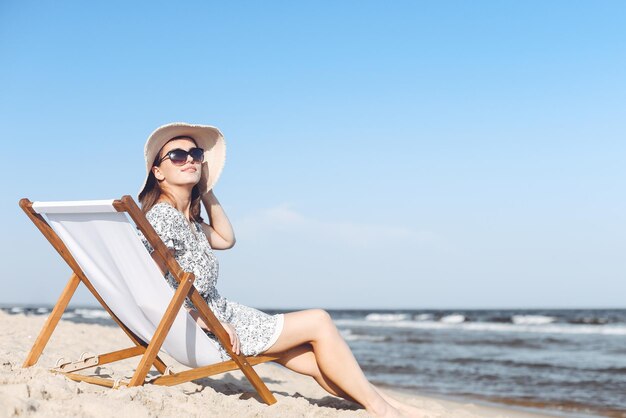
[[551, 328], [532, 319], [387, 317]]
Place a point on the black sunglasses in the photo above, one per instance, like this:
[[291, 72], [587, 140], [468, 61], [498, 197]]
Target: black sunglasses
[[179, 156]]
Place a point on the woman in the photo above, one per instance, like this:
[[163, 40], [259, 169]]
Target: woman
[[183, 163]]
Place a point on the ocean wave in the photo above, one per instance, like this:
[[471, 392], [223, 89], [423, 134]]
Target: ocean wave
[[532, 319], [500, 342], [92, 313], [386, 317], [590, 321], [536, 366], [348, 335], [415, 340], [492, 327], [509, 363], [453, 319], [370, 338]]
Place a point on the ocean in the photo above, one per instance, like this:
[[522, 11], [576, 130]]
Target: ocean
[[567, 362]]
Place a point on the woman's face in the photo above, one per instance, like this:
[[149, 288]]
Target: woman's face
[[187, 174]]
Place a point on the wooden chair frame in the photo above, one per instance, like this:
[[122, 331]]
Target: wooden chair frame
[[147, 351]]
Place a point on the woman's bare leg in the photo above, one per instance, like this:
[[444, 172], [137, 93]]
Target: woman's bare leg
[[302, 360], [333, 357]]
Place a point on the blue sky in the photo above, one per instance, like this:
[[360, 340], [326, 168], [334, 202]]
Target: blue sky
[[386, 155]]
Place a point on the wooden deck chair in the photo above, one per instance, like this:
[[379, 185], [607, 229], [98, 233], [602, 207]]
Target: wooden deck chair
[[105, 253]]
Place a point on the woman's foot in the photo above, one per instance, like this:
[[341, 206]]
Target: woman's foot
[[404, 409], [410, 411], [383, 409]]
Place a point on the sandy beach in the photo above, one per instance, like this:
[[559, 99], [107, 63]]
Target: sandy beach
[[37, 392]]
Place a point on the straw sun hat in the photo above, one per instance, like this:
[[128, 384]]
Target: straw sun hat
[[207, 137]]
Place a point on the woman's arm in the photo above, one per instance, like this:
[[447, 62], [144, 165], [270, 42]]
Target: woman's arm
[[232, 333], [219, 231], [230, 329]]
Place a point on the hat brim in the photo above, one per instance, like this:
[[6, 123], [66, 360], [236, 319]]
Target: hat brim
[[207, 137]]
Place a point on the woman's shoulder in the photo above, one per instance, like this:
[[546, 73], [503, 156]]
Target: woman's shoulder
[[164, 212], [169, 223]]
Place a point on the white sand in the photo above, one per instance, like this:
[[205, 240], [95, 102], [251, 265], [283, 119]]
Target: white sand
[[37, 392]]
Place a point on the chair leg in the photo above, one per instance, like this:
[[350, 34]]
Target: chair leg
[[52, 321], [257, 383], [147, 360], [159, 365]]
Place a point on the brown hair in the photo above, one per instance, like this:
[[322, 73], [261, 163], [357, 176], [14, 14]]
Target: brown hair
[[153, 193]]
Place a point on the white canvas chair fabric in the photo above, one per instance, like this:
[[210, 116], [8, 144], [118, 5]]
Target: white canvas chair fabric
[[107, 248]]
